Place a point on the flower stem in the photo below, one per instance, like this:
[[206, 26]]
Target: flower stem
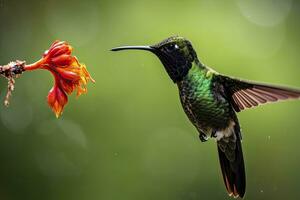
[[34, 66]]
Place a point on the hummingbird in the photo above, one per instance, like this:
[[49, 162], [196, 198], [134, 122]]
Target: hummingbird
[[211, 102]]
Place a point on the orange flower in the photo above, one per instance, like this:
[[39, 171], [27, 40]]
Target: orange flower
[[69, 74]]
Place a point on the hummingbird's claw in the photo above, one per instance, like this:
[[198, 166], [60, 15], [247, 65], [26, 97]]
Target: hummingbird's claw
[[213, 134], [203, 137]]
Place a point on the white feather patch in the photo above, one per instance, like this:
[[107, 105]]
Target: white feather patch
[[225, 133]]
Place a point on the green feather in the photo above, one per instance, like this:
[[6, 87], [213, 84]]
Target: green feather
[[199, 102]]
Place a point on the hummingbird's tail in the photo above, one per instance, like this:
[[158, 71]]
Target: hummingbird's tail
[[232, 162]]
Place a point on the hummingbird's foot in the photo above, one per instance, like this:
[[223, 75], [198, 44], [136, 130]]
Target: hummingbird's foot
[[213, 134], [203, 137]]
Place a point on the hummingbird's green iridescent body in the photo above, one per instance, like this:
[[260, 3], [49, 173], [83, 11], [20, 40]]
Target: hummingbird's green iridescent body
[[197, 96], [211, 101]]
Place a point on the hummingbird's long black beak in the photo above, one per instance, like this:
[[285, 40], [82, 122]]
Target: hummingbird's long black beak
[[146, 48]]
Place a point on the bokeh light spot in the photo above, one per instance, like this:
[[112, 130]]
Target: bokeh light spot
[[62, 23], [63, 149], [17, 117], [265, 13], [56, 164], [66, 128], [73, 132]]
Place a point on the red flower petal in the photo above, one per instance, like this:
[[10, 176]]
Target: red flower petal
[[69, 75], [63, 49], [57, 99], [62, 60], [58, 49], [67, 85]]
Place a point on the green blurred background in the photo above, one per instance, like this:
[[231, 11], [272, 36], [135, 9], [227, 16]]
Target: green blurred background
[[129, 138]]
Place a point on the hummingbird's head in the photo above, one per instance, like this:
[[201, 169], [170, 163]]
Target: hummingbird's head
[[176, 54]]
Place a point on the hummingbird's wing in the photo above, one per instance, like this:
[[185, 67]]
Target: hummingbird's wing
[[246, 94]]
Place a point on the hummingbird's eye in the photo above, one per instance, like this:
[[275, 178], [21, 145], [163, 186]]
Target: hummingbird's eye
[[172, 47]]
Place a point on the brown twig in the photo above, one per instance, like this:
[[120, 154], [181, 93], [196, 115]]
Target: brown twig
[[11, 71], [10, 89]]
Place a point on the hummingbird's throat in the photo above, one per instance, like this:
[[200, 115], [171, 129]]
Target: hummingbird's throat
[[177, 68]]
